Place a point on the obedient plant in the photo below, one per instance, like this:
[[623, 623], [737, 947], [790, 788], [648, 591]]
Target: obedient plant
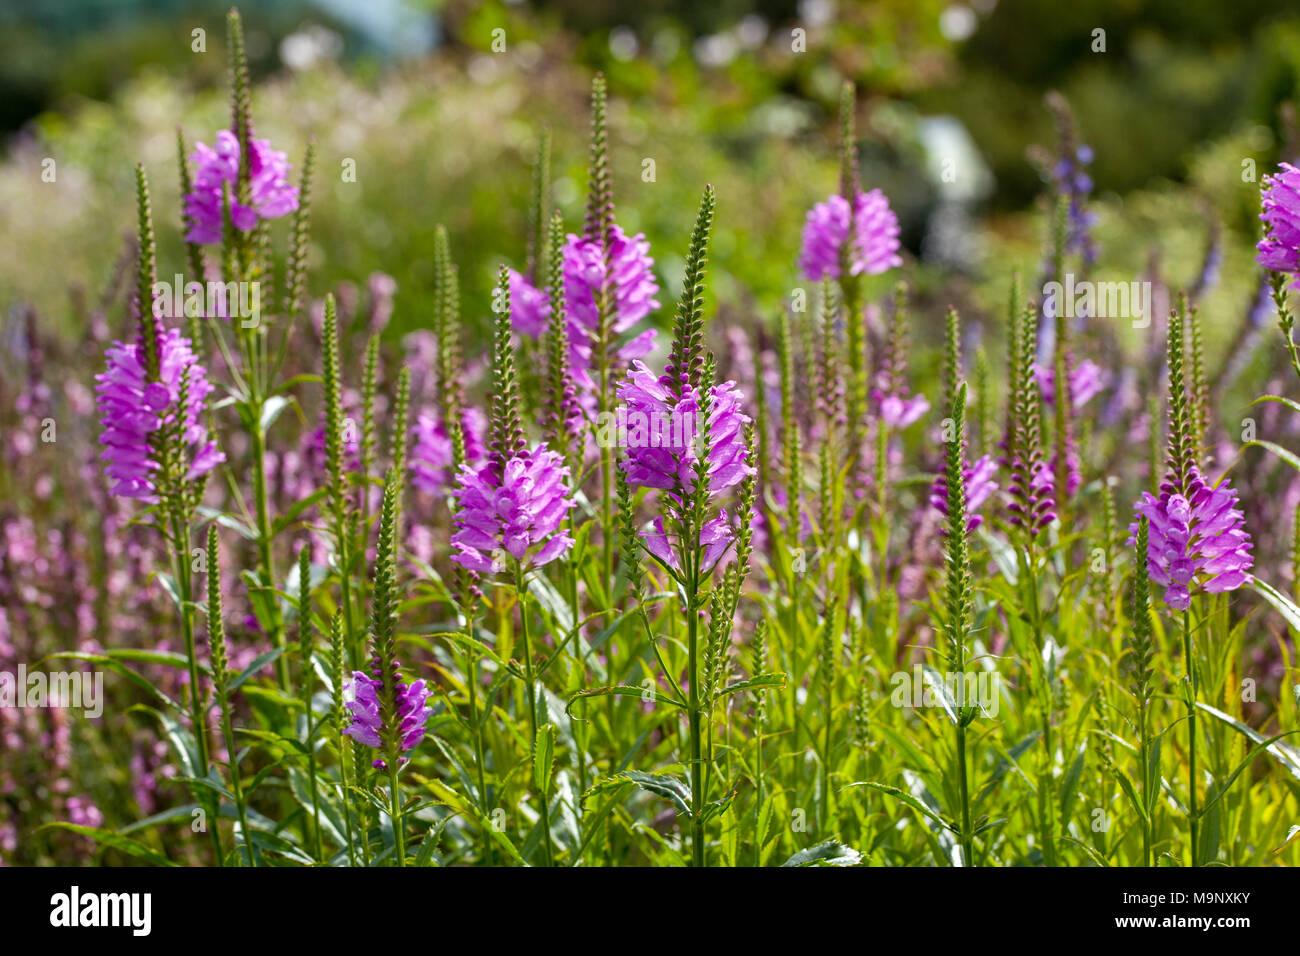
[[552, 593]]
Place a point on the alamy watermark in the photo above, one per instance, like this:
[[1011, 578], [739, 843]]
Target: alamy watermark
[[226, 300], [925, 687], [55, 690], [1102, 300]]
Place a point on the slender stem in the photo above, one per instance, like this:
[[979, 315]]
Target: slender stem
[[311, 771], [476, 722], [184, 585], [1193, 818], [395, 812], [697, 776], [967, 838], [240, 805], [264, 546], [347, 800], [532, 703]]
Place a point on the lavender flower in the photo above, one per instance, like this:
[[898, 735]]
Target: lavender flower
[[624, 272], [135, 405], [978, 479], [1279, 250], [662, 434], [715, 538], [529, 306], [432, 454], [871, 231], [270, 193], [899, 411], [516, 509], [1197, 540], [1086, 381], [363, 700]]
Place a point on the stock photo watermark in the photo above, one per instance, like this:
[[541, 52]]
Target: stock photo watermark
[[56, 690]]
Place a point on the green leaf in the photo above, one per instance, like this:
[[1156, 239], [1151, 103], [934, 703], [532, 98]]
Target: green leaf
[[1290, 613], [117, 667], [544, 758], [1287, 456], [260, 661], [271, 410], [1276, 398], [1287, 756], [830, 853], [758, 682], [672, 789], [621, 690], [906, 798], [110, 839]]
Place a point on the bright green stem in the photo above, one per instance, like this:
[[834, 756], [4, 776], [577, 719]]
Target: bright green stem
[[967, 838], [395, 812], [697, 764], [264, 547], [236, 786], [1193, 817], [347, 800], [476, 723], [184, 585], [311, 767], [532, 702]]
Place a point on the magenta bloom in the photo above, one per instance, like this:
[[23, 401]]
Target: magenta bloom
[[898, 411], [871, 231], [270, 193], [1197, 540], [627, 276], [662, 437], [368, 719], [133, 408], [516, 511], [431, 450], [715, 538], [1086, 382], [529, 306], [979, 484], [1279, 250]]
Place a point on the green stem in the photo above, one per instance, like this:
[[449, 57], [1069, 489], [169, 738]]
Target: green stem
[[967, 838], [1193, 819], [532, 702], [184, 586], [476, 722], [395, 811], [697, 776]]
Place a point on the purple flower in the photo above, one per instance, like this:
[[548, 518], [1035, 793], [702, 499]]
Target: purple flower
[[1195, 540], [626, 275], [978, 479], [871, 230], [431, 449], [530, 307], [1086, 382], [715, 538], [898, 411], [662, 437], [270, 193], [515, 511], [133, 408], [1279, 250], [1032, 494], [370, 725]]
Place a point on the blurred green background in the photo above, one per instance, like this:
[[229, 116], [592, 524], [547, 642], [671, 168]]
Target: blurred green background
[[442, 128]]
